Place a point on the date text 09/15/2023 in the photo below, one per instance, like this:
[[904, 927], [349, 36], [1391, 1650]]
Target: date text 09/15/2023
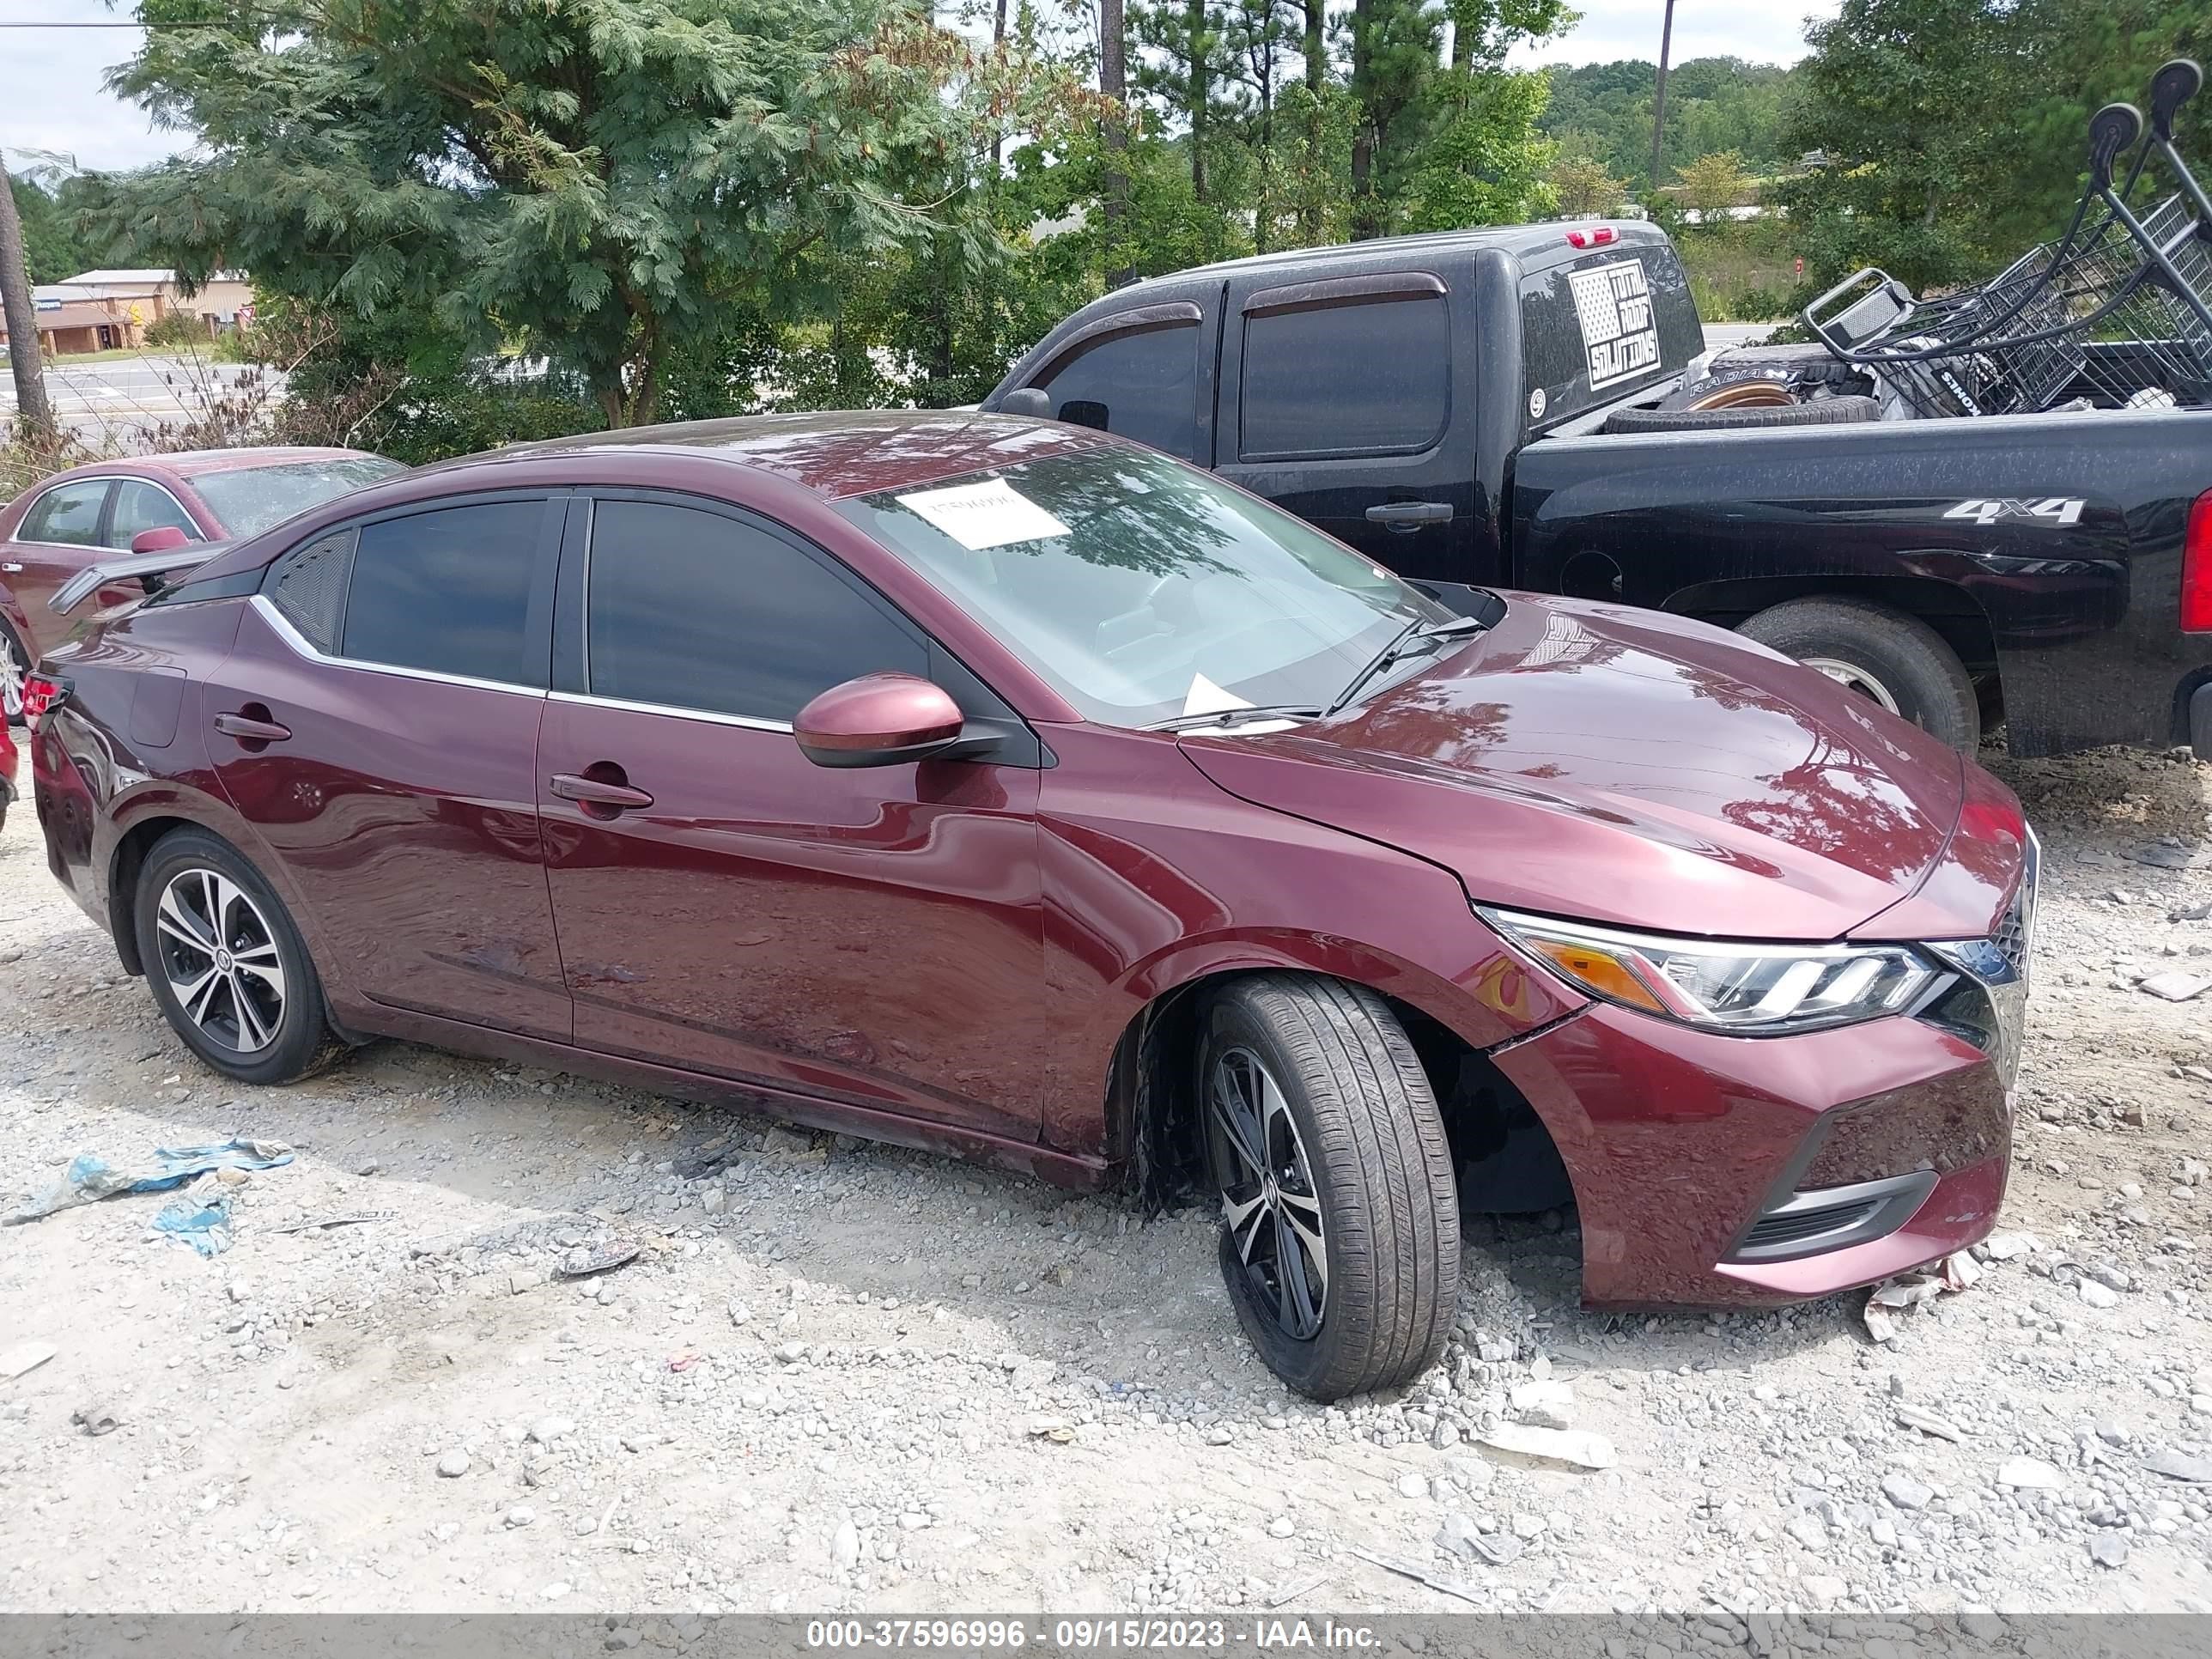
[[1199, 1635]]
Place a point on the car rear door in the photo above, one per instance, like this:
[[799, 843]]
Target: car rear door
[[872, 936], [57, 535], [1339, 401], [376, 724]]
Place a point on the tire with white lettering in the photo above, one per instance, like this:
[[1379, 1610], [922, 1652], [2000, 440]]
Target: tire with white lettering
[[1339, 1236], [1886, 656]]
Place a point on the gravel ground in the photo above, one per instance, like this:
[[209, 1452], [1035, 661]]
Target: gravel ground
[[847, 1377]]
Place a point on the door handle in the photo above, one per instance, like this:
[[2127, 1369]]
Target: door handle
[[592, 792], [13, 566], [1403, 516], [246, 728]]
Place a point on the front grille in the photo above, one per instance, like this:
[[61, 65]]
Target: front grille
[[2015, 935], [1794, 1226]]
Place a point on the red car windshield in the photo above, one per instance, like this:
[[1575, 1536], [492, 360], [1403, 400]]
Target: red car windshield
[[1142, 589], [249, 499]]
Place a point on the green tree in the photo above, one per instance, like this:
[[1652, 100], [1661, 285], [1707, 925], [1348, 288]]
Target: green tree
[[610, 182], [1583, 189], [51, 247], [1714, 183]]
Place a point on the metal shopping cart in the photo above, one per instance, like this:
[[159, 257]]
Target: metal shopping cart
[[2118, 313]]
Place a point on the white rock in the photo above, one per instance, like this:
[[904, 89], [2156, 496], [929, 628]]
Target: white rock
[[1546, 1404], [546, 1430], [1578, 1447], [1822, 1588], [1281, 1526], [453, 1464], [2003, 1247], [2098, 1296], [845, 1546], [2030, 1474], [1412, 1486]]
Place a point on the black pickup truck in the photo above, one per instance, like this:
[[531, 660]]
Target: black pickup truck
[[1535, 407]]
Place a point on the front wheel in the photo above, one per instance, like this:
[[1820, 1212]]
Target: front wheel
[[227, 967], [1340, 1217]]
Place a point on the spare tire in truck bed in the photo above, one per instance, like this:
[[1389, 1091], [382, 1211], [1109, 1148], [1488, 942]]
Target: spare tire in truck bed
[[1821, 412]]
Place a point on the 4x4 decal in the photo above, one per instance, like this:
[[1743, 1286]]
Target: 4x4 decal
[[2056, 510]]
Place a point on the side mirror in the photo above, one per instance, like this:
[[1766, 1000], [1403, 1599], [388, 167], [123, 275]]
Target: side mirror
[[160, 539], [879, 719], [1030, 400]]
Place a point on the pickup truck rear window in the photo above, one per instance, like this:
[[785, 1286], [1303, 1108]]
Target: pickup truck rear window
[[1371, 379], [1141, 385]]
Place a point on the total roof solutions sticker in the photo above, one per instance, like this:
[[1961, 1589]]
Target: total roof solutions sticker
[[1613, 303]]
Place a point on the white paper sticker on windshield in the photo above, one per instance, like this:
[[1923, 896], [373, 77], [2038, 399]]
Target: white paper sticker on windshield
[[1205, 697], [988, 513], [1613, 304]]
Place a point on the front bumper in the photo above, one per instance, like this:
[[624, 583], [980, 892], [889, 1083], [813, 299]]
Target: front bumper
[[1680, 1142]]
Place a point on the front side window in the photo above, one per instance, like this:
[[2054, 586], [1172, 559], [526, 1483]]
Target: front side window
[[141, 506], [1143, 589], [1372, 379], [449, 590], [1142, 385], [69, 515], [690, 609], [249, 499]]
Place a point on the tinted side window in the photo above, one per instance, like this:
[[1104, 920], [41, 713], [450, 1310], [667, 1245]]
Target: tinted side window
[[690, 609], [449, 590], [1338, 379], [309, 585], [69, 515], [1142, 385], [140, 506]]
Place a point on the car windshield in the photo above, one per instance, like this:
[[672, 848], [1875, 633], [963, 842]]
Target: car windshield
[[1144, 590], [249, 499]]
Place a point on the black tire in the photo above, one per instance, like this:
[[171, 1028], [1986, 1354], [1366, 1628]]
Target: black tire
[[1371, 1153], [1899, 655], [1821, 412], [290, 1014], [12, 652]]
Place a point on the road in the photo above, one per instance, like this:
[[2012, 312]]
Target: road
[[121, 403], [1737, 334]]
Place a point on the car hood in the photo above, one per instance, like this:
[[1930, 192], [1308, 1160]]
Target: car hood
[[1630, 767]]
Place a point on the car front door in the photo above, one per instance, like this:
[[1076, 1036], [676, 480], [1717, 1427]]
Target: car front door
[[58, 536], [1339, 403], [872, 936], [377, 724]]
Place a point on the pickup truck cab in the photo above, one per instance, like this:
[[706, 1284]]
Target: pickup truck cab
[[1455, 406]]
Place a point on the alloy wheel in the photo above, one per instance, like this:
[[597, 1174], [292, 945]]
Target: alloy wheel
[[219, 955], [1854, 678], [1268, 1198], [12, 681]]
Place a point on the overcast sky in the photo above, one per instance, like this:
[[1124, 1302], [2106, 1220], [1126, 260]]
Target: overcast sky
[[51, 97]]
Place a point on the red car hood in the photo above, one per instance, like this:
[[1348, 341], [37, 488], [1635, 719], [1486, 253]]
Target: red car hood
[[1647, 771]]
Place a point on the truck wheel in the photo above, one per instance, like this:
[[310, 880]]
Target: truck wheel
[[1340, 1238], [1818, 411], [1767, 377], [1886, 656]]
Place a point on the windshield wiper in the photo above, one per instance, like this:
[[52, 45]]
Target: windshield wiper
[[1403, 644], [1238, 716]]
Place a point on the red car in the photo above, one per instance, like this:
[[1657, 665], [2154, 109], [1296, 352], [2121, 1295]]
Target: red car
[[49, 534], [999, 787]]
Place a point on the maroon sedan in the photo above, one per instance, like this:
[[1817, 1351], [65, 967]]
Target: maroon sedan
[[998, 788], [50, 532]]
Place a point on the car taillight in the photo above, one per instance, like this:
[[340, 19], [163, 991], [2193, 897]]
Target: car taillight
[[1595, 236], [2197, 569], [42, 693]]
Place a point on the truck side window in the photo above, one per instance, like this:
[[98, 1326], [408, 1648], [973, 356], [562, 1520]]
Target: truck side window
[[1371, 379], [1142, 385]]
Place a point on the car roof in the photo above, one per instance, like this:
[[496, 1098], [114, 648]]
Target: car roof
[[838, 453], [1532, 244], [182, 464]]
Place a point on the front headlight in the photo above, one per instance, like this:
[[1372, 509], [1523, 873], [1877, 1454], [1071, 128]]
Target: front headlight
[[1748, 989]]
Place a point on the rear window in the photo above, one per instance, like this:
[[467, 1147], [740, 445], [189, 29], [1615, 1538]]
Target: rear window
[[1604, 325], [249, 499], [1371, 379]]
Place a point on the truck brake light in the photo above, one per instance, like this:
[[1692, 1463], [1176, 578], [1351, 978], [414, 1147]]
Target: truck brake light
[[1595, 236], [2197, 569]]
